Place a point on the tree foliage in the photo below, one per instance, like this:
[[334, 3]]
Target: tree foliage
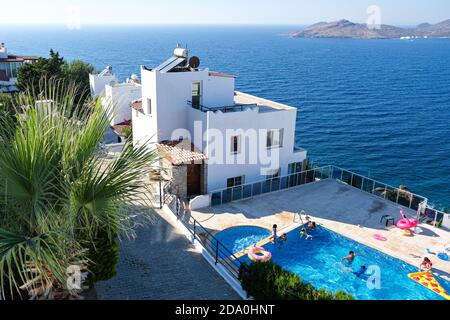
[[59, 195], [77, 71], [269, 281]]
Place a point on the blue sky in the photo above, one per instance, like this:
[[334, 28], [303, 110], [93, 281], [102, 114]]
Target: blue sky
[[399, 12]]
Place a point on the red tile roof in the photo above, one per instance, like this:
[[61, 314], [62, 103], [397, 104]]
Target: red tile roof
[[120, 127], [14, 58], [137, 105], [180, 152]]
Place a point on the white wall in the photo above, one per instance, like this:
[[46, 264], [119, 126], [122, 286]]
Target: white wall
[[252, 119], [120, 96], [98, 83], [170, 93], [195, 117], [144, 124], [200, 202]]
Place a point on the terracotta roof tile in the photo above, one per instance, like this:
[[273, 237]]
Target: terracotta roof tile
[[180, 152], [137, 105], [14, 58]]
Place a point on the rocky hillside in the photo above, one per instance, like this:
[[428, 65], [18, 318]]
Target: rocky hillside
[[348, 29]]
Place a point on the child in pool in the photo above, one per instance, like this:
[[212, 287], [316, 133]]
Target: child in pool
[[311, 225], [426, 265], [303, 233], [350, 258], [361, 271]]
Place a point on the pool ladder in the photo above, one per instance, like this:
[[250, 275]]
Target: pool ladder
[[299, 215]]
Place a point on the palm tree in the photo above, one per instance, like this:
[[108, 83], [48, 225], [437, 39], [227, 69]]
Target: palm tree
[[62, 203]]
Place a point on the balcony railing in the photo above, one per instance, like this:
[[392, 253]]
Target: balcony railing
[[224, 109], [217, 250]]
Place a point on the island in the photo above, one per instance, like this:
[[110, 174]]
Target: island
[[347, 29]]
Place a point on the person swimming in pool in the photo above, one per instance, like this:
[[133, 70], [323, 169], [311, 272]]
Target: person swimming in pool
[[361, 271], [350, 258], [426, 265], [304, 233], [311, 225], [283, 238]]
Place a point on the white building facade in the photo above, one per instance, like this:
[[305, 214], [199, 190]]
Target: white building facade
[[244, 139], [9, 67], [106, 86]]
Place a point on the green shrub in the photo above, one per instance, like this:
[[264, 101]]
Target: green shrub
[[104, 256], [269, 281]]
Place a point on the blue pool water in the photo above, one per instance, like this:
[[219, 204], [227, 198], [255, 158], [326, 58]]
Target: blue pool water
[[237, 239], [317, 262]]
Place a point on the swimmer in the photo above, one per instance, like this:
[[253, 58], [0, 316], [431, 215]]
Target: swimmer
[[426, 265], [311, 225], [303, 233], [350, 258], [283, 238], [361, 271]]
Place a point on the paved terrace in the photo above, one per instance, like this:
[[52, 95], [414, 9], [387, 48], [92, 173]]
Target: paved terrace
[[161, 264], [336, 206]]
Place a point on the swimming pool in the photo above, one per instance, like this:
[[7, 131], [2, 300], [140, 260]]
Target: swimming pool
[[317, 262], [237, 239]]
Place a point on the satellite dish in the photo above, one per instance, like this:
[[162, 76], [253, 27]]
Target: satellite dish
[[194, 62]]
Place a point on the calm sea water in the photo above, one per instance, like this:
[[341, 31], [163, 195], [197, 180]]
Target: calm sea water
[[380, 108]]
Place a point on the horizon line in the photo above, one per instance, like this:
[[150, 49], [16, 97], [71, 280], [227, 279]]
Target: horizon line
[[61, 24]]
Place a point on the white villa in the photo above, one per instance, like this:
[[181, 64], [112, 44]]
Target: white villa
[[211, 136], [9, 66], [106, 85]]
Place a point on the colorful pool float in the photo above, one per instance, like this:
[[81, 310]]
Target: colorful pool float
[[443, 256], [429, 281], [258, 254], [379, 237], [406, 223]]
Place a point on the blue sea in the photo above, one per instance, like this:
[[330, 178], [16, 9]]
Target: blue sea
[[377, 107]]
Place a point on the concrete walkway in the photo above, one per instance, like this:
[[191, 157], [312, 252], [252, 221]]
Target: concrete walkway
[[161, 264]]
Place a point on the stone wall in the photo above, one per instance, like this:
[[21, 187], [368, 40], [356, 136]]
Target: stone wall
[[179, 181]]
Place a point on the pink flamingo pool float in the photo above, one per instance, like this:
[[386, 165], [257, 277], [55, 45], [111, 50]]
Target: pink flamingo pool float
[[406, 223]]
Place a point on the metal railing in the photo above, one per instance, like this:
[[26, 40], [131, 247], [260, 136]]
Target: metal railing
[[399, 196], [402, 197], [224, 109], [251, 190], [221, 254]]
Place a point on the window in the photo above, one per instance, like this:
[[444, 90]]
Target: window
[[274, 138], [235, 145], [137, 113], [236, 181], [149, 106], [196, 94], [295, 167], [274, 174]]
